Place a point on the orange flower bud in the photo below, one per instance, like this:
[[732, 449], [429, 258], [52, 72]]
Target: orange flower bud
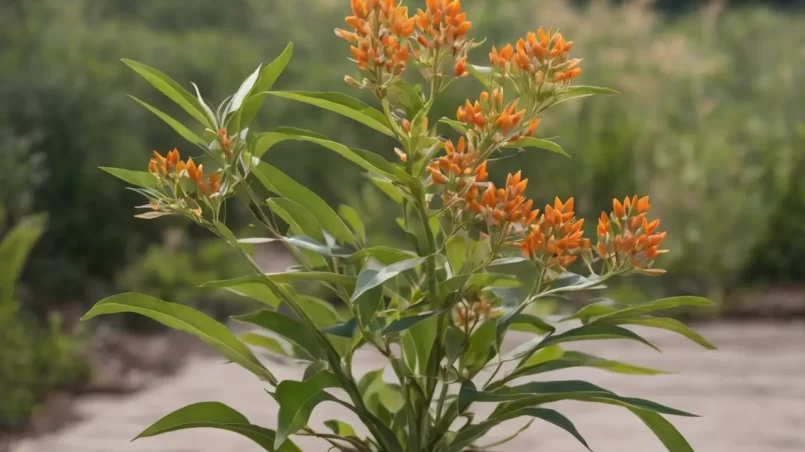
[[347, 35], [461, 67], [532, 127]]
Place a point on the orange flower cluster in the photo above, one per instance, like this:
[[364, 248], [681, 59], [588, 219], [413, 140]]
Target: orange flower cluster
[[636, 241], [489, 110], [506, 206], [226, 143], [556, 240], [458, 162], [442, 24], [468, 314], [540, 55], [380, 29], [172, 166]]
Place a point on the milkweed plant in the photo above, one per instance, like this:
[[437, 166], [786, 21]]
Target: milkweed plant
[[457, 328]]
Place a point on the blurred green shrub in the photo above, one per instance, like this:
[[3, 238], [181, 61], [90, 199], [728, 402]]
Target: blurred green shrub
[[175, 270], [34, 360]]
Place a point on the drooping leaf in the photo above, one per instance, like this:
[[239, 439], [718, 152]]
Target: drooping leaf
[[370, 301], [268, 76], [172, 90], [285, 327], [408, 322], [384, 275], [532, 142], [455, 125], [596, 309], [388, 188], [286, 277], [264, 342], [575, 92], [481, 73], [186, 133], [470, 433], [265, 141], [666, 324], [137, 178], [658, 305], [297, 216], [593, 331], [278, 182], [185, 319], [219, 416], [664, 430], [297, 399], [255, 290], [546, 354], [340, 428], [312, 137], [353, 219], [477, 280], [342, 104]]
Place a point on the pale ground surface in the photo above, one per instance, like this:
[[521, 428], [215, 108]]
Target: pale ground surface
[[751, 395]]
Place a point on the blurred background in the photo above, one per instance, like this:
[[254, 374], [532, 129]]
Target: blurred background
[[710, 124]]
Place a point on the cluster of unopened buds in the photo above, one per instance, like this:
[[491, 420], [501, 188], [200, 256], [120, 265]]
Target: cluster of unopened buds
[[468, 314], [379, 38], [172, 168], [442, 29], [539, 57], [506, 207], [626, 237], [556, 239], [488, 116]]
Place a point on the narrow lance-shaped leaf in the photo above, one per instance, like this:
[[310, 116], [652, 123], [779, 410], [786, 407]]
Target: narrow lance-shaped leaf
[[532, 142], [666, 324], [286, 277], [172, 90], [137, 178], [385, 274], [297, 216], [265, 82], [575, 92], [278, 182], [297, 399], [219, 416], [185, 319], [342, 104], [286, 327], [664, 430], [186, 133], [658, 305]]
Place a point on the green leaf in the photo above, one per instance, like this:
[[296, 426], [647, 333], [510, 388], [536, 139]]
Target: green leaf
[[385, 255], [575, 92], [481, 347], [264, 342], [386, 273], [298, 217], [546, 354], [597, 309], [423, 335], [342, 104], [14, 250], [255, 290], [268, 76], [664, 430], [388, 188], [455, 125], [658, 305], [456, 249], [353, 219], [138, 178], [532, 142], [666, 324], [478, 280], [469, 434], [370, 301], [577, 359], [408, 322], [243, 91], [266, 141], [185, 319], [410, 98], [593, 332], [219, 416], [286, 328], [286, 277], [186, 133], [278, 182], [481, 73], [172, 90], [340, 428], [312, 137], [297, 399]]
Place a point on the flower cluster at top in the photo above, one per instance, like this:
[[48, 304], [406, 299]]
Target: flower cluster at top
[[626, 236], [383, 37], [169, 171]]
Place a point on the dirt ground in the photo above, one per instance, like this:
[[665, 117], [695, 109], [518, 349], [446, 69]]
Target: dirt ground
[[750, 394]]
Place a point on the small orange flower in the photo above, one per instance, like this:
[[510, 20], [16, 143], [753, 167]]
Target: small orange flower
[[627, 237], [194, 173], [457, 164], [226, 143], [540, 56], [556, 239], [460, 69], [506, 206]]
